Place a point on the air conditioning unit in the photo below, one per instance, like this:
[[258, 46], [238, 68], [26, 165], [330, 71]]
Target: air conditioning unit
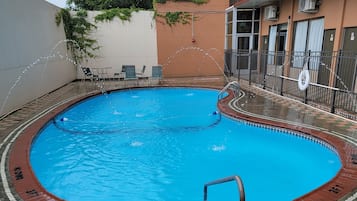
[[271, 12], [308, 6]]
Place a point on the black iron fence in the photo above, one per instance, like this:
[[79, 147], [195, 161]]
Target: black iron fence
[[333, 76]]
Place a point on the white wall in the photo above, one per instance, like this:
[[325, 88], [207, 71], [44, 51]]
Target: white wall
[[125, 43], [28, 33]]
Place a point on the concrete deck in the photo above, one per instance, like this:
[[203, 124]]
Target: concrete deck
[[256, 103]]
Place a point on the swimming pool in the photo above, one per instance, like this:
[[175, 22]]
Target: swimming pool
[[164, 144]]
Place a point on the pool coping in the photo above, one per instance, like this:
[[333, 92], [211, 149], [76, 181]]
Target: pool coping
[[28, 187], [22, 177]]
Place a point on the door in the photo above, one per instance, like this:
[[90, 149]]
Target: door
[[347, 63], [326, 57], [264, 55], [243, 53], [280, 57]]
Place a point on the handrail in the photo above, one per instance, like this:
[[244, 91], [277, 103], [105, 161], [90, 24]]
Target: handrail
[[224, 180], [233, 83]]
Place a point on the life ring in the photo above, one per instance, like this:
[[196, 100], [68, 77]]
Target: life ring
[[304, 80]]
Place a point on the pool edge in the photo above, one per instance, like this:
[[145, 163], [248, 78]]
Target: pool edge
[[326, 192]]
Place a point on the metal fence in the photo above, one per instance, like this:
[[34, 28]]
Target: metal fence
[[333, 75]]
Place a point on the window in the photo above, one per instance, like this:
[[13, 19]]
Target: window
[[245, 15], [242, 33], [256, 27], [308, 37], [255, 42], [248, 28], [300, 43], [229, 29], [229, 42], [229, 22], [243, 43], [244, 27], [277, 44], [230, 16], [271, 45]]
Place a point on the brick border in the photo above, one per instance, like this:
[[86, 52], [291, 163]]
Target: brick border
[[29, 188], [22, 177]]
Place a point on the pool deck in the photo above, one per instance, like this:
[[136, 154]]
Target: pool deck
[[18, 129]]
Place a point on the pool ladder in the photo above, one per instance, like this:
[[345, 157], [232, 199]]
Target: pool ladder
[[237, 179], [234, 85]]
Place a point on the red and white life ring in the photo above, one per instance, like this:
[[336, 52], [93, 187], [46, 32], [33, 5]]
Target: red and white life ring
[[304, 79]]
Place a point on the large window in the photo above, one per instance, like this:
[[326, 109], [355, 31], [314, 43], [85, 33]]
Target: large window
[[308, 37], [277, 44], [229, 29], [242, 36], [242, 23], [272, 44], [248, 26]]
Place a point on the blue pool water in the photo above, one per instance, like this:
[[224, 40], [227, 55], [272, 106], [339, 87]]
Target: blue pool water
[[164, 144]]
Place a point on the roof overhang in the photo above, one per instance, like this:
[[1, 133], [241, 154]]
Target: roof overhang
[[253, 3]]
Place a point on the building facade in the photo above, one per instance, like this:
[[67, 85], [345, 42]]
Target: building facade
[[294, 34], [193, 45]]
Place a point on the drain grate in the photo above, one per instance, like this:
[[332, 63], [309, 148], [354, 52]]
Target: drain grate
[[335, 189]]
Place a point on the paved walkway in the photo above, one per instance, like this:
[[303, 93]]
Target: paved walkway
[[256, 102], [271, 106]]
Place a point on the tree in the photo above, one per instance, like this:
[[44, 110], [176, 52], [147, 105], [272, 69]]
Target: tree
[[109, 4], [77, 30]]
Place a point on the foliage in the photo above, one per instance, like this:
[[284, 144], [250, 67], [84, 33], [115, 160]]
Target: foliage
[[199, 1], [173, 18], [109, 4], [193, 1], [123, 13], [77, 28]]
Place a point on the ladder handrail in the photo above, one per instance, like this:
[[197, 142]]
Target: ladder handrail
[[233, 83], [224, 180]]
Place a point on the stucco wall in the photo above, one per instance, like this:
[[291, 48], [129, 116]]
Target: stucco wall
[[350, 14], [285, 8], [337, 15], [124, 43], [28, 33], [331, 10], [178, 53]]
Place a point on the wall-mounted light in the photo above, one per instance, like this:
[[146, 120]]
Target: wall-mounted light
[[353, 36], [331, 37]]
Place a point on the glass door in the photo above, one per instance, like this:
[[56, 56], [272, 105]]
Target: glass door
[[244, 46]]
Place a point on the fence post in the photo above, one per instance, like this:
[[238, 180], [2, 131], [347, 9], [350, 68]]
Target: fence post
[[238, 66], [308, 68], [264, 66], [282, 79], [333, 101], [249, 66], [226, 69], [333, 97]]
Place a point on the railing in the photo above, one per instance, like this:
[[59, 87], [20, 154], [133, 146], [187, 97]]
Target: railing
[[333, 76], [237, 179], [236, 89]]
